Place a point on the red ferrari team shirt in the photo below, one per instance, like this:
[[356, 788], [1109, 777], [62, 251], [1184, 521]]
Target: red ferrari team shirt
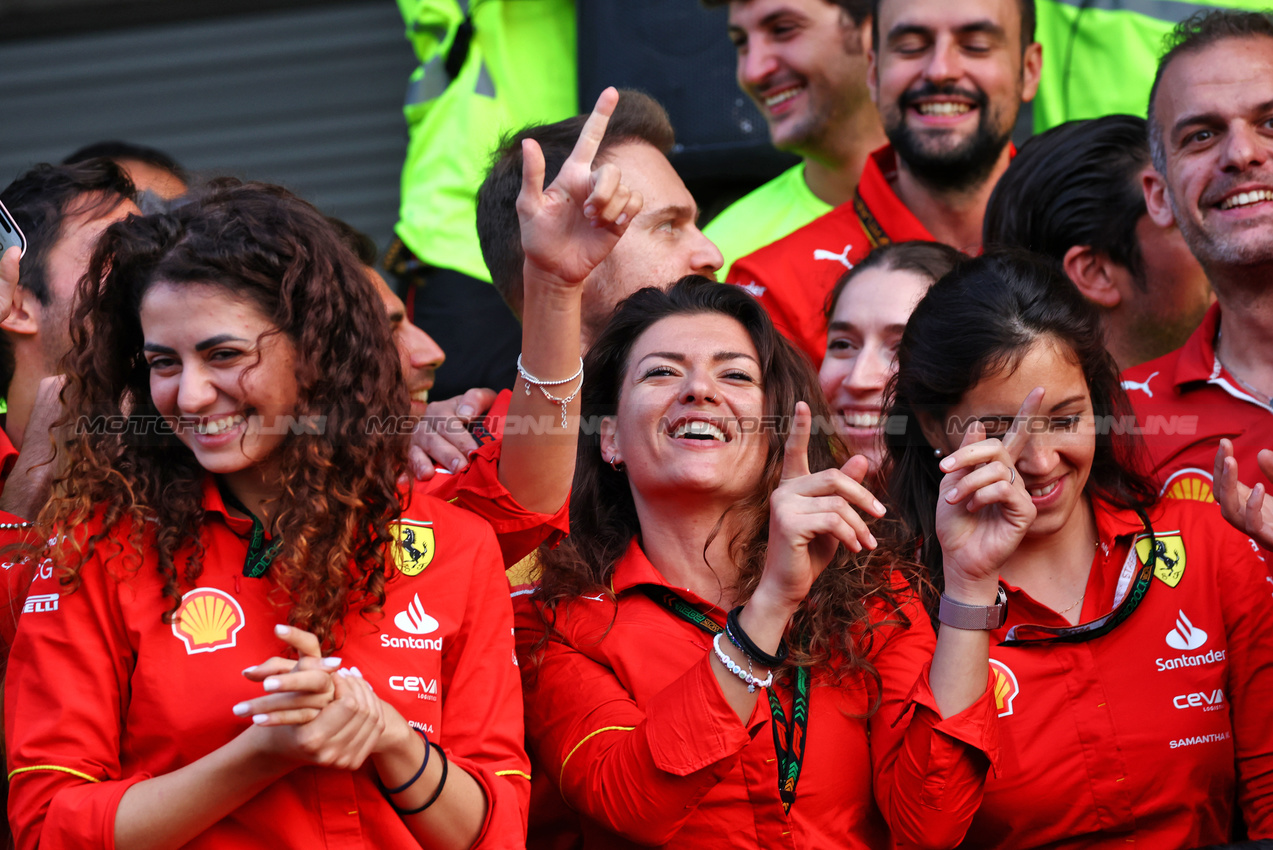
[[1147, 735], [102, 694], [477, 488], [624, 713], [794, 276], [1185, 402]]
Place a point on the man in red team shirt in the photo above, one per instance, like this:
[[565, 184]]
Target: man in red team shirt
[[948, 79], [1209, 117]]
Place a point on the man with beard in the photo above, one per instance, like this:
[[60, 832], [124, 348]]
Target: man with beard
[[803, 63], [1210, 114], [948, 79]]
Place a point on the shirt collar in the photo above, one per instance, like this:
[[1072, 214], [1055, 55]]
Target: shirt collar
[[213, 503], [1197, 360]]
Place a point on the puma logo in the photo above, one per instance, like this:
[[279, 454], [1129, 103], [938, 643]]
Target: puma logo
[[842, 258], [1143, 386]]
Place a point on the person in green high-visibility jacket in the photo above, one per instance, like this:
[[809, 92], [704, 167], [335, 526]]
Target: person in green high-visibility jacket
[[1100, 55], [487, 68]]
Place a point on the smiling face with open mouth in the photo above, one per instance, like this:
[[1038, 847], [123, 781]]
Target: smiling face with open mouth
[[865, 330], [803, 63], [690, 411], [949, 79], [222, 376], [1057, 461], [1214, 109]]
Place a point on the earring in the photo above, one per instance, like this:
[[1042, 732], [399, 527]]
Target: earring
[[937, 453], [615, 463]]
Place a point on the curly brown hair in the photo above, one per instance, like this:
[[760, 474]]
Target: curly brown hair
[[834, 627], [338, 482]]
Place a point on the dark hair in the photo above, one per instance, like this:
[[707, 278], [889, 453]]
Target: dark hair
[[637, 118], [44, 197], [931, 260], [363, 246], [974, 323], [832, 621], [1076, 184], [1196, 33], [858, 10], [117, 151], [1026, 8], [262, 244]]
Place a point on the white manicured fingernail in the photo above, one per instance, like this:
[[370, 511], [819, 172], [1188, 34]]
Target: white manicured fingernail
[[260, 719], [241, 709], [342, 673], [331, 662], [270, 684], [247, 670], [282, 630], [879, 507]]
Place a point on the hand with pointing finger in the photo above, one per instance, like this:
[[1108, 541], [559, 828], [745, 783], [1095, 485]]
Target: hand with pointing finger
[[810, 516], [570, 227], [984, 511], [1248, 509]]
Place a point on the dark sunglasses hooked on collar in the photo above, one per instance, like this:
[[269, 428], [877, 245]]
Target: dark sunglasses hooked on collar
[[1031, 634]]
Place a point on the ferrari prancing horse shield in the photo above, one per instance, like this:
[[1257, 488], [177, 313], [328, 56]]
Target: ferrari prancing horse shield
[[1169, 566], [414, 549]]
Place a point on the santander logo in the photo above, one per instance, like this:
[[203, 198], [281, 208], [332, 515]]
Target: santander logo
[[414, 621], [1184, 636]]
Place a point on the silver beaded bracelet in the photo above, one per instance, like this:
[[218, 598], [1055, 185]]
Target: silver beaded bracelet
[[14, 526], [532, 381], [746, 675]]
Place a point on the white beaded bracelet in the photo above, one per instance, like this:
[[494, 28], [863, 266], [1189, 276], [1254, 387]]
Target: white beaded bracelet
[[14, 526], [751, 681], [532, 381]]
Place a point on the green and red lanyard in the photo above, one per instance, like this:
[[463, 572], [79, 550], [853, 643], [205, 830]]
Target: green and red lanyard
[[790, 734]]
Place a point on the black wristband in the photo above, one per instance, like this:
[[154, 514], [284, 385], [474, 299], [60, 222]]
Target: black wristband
[[437, 793], [747, 647], [404, 786]]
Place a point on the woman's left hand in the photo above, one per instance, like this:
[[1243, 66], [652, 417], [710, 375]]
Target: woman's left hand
[[297, 690], [810, 516]]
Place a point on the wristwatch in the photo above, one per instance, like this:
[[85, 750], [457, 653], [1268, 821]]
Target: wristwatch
[[957, 615]]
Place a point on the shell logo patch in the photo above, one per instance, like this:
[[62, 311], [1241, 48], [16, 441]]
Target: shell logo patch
[[1191, 484], [415, 546], [1006, 687], [208, 619], [1170, 550]]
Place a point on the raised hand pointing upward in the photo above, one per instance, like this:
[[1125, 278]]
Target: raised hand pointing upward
[[570, 227]]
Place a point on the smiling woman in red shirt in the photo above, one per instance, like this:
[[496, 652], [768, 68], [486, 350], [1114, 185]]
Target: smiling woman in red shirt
[[226, 504], [713, 654], [1133, 666]]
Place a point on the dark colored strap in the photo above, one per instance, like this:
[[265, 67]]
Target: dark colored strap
[[870, 224], [1101, 625], [404, 786], [436, 794], [790, 734], [257, 562], [739, 638]]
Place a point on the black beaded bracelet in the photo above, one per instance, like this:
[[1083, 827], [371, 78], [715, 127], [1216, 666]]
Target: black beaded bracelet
[[404, 786], [436, 794], [747, 647]]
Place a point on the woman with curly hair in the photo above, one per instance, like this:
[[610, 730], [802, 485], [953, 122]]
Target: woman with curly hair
[[232, 499], [716, 655]]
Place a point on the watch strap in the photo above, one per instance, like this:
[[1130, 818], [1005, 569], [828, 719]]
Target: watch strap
[[957, 615]]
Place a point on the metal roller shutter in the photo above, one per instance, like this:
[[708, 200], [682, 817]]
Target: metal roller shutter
[[311, 99]]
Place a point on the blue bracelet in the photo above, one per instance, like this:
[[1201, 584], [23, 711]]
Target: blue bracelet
[[418, 773]]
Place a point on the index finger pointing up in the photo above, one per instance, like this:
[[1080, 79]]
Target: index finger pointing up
[[1019, 432], [795, 458], [595, 128]]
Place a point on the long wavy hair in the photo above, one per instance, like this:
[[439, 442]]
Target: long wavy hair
[[144, 489], [832, 628], [978, 321]]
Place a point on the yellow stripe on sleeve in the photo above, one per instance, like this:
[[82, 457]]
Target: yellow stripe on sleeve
[[57, 767], [523, 775], [561, 776]]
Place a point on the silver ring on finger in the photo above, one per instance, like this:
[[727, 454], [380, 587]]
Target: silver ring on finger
[[1013, 476]]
